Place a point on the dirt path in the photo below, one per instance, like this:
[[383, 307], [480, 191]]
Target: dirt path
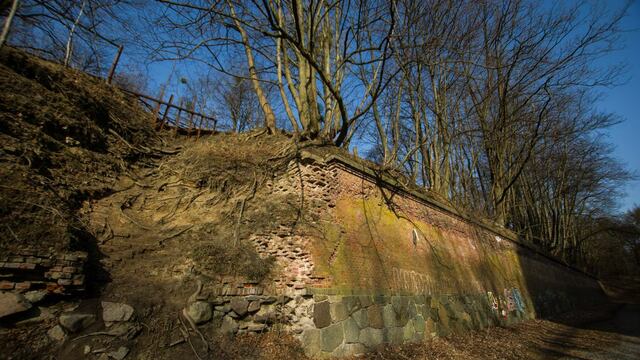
[[615, 335], [624, 327]]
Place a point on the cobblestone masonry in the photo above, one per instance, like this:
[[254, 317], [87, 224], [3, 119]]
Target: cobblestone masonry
[[58, 273]]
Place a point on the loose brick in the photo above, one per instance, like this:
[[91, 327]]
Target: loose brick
[[27, 266], [26, 285], [16, 259], [69, 269], [54, 288], [33, 260], [64, 282], [6, 285], [70, 257], [46, 262]]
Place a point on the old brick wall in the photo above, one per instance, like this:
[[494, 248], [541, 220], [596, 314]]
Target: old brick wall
[[55, 272], [390, 266]]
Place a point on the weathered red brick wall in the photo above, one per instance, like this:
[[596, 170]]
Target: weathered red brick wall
[[56, 272]]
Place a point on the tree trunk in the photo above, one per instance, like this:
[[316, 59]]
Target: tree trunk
[[7, 22]]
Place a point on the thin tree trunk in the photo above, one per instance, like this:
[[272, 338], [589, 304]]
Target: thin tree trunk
[[269, 116], [7, 22], [67, 54]]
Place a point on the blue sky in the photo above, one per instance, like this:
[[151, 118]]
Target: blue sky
[[624, 100]]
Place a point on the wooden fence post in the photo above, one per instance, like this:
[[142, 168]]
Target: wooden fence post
[[114, 64], [177, 124], [166, 111], [193, 110], [199, 128], [156, 111]]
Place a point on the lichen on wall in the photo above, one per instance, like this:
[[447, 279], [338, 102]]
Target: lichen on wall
[[373, 264]]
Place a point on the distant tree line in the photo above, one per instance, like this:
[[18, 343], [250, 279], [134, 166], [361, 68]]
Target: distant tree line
[[490, 105]]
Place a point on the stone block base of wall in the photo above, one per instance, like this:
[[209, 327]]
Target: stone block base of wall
[[349, 325]]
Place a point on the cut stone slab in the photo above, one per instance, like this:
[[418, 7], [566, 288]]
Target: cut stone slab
[[338, 312], [332, 337], [389, 316], [11, 303], [419, 324], [374, 315], [239, 306], [361, 318], [409, 331], [112, 312], [394, 335], [57, 333], [76, 322], [119, 354], [351, 331], [312, 342], [322, 314], [351, 303], [371, 337], [200, 312]]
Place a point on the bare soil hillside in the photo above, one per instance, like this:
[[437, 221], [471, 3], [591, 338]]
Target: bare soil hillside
[[64, 136]]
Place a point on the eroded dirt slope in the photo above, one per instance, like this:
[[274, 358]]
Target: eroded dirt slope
[[64, 137]]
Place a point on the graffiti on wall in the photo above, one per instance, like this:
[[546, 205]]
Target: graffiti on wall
[[493, 302], [517, 297], [412, 281], [509, 301]]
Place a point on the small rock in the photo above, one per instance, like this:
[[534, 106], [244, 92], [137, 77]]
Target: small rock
[[57, 333], [218, 301], [35, 296], [269, 300], [87, 349], [11, 303], [239, 306], [199, 311], [36, 315], [253, 306], [229, 326], [256, 327], [112, 312], [119, 354], [76, 322]]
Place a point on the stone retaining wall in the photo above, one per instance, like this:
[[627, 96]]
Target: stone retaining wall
[[347, 325], [382, 265]]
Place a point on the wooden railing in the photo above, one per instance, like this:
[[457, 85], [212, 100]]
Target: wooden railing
[[176, 117], [166, 114]]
